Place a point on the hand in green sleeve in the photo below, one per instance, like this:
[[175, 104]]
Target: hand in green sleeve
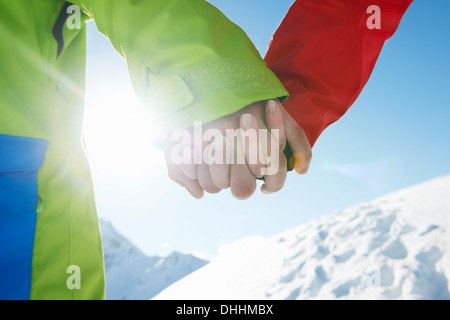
[[189, 63], [273, 129]]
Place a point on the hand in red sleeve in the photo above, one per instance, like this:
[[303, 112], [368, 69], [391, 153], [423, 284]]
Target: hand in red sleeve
[[324, 53]]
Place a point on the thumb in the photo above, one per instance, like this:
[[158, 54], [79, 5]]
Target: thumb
[[299, 144]]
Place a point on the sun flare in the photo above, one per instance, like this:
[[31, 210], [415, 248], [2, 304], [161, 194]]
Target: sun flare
[[120, 134]]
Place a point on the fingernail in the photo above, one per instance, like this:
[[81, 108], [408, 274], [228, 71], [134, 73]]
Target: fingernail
[[263, 190], [272, 106], [304, 171], [246, 121]]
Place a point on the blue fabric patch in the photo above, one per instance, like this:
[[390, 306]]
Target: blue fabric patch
[[20, 160]]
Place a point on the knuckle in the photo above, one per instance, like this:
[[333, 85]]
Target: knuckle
[[257, 169], [176, 178], [243, 191], [208, 186], [299, 131], [296, 132], [274, 187], [277, 187], [212, 189], [171, 175], [205, 185], [229, 122], [221, 184]]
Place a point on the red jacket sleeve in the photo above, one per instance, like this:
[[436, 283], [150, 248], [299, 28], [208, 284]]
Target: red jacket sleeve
[[324, 52]]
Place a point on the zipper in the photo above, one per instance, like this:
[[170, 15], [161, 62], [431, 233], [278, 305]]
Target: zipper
[[58, 28]]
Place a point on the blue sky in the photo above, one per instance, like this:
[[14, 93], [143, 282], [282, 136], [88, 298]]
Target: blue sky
[[394, 136]]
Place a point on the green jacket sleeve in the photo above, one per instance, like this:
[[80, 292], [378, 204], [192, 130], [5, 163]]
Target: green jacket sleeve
[[186, 60]]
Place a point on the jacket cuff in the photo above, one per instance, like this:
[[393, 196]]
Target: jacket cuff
[[210, 91]]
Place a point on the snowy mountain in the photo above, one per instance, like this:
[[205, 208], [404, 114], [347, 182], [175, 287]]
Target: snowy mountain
[[393, 247], [130, 274]]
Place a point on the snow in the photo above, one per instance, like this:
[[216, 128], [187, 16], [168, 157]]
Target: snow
[[393, 247], [132, 275]]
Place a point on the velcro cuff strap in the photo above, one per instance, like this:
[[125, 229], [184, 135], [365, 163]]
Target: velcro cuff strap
[[167, 95]]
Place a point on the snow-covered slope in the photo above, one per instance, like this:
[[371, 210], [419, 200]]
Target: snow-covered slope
[[130, 274], [393, 247]]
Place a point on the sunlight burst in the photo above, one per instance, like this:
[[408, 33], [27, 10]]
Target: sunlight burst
[[120, 135]]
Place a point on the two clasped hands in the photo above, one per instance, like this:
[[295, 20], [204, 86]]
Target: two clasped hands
[[236, 150]]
